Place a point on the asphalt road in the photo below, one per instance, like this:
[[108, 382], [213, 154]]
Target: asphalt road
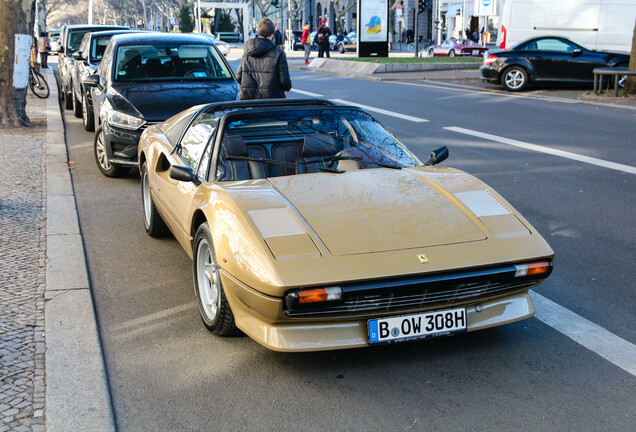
[[168, 373]]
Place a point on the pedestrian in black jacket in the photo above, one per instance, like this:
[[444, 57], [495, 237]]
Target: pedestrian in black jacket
[[263, 73]]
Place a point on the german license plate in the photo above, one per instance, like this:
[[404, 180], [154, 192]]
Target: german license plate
[[417, 326], [475, 52]]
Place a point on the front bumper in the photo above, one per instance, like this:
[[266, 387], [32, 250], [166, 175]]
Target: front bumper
[[261, 318], [121, 145]]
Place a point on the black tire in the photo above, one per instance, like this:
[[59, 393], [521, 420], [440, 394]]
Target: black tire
[[451, 53], [39, 86], [431, 52], [68, 100], [77, 105], [213, 307], [153, 222], [515, 79], [87, 114], [101, 158]]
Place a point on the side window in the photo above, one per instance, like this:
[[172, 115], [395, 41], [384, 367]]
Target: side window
[[196, 138], [554, 45], [104, 66]]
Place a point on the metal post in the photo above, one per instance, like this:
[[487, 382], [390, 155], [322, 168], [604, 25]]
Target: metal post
[[415, 28], [90, 12], [439, 24]]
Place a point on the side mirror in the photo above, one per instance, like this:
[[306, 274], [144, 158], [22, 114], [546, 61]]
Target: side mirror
[[77, 55], [577, 52], [184, 174], [91, 81], [437, 156]]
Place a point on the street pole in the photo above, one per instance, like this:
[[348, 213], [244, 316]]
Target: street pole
[[415, 28], [90, 12], [439, 23], [464, 18]]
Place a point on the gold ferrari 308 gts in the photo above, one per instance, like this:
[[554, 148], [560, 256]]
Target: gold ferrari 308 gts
[[311, 227]]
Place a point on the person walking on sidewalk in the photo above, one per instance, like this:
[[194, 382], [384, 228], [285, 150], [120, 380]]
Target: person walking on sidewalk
[[323, 34], [278, 37], [263, 73], [44, 46], [304, 39]]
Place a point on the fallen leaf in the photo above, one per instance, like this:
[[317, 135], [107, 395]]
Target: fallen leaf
[[72, 162], [18, 182]]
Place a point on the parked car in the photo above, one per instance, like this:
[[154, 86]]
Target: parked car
[[233, 37], [223, 47], [311, 227], [70, 39], [546, 59], [55, 45], [457, 47], [85, 62], [297, 46], [349, 43], [145, 78]]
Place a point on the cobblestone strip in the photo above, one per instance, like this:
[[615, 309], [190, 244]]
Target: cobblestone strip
[[22, 273]]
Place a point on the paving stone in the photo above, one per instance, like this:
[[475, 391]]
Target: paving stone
[[23, 240]]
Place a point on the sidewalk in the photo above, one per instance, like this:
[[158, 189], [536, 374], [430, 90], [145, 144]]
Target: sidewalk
[[51, 365]]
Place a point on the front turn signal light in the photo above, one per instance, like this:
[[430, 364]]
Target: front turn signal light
[[533, 269], [319, 295]]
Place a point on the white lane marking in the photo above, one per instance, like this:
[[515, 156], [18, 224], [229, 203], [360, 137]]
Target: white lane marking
[[366, 107], [609, 346], [381, 111], [306, 93], [147, 319], [547, 150]]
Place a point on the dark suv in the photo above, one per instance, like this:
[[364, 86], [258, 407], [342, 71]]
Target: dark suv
[[146, 78], [86, 60], [70, 38]]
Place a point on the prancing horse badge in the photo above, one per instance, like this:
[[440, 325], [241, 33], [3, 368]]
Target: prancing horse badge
[[423, 259]]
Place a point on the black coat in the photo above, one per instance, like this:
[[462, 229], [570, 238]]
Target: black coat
[[263, 73]]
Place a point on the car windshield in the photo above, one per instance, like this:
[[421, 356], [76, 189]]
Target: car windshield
[[316, 140], [98, 47], [169, 61]]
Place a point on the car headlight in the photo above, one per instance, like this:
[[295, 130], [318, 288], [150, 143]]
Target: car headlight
[[124, 121]]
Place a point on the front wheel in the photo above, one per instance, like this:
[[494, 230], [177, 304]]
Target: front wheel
[[515, 79], [154, 224], [39, 86], [101, 157], [87, 115], [77, 105], [451, 53], [213, 306], [431, 52]]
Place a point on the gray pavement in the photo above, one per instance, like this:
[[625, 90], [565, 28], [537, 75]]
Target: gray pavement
[[52, 367]]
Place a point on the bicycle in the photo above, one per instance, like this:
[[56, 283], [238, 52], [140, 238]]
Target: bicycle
[[423, 46], [37, 82]]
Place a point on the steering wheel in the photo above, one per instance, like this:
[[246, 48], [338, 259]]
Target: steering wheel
[[193, 71]]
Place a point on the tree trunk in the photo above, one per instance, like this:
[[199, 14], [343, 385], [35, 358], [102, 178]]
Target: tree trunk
[[630, 86], [16, 18]]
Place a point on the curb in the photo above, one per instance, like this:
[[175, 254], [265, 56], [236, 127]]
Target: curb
[[77, 392]]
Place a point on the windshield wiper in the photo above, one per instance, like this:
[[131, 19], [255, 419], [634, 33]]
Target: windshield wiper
[[280, 163]]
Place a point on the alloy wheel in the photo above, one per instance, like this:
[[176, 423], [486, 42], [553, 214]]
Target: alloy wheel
[[207, 280], [100, 151]]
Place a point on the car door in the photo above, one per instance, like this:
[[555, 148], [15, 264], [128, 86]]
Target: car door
[[556, 60], [176, 196]]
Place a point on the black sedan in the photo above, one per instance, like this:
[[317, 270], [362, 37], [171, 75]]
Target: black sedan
[[146, 78], [546, 59], [85, 62]]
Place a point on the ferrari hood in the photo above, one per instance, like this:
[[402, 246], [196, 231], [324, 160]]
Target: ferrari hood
[[376, 210]]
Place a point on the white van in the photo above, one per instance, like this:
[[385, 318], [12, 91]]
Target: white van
[[595, 24]]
